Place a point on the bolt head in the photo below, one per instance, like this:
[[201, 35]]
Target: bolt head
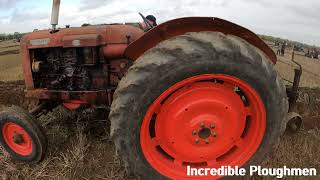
[[214, 134], [202, 124], [194, 132], [197, 140], [207, 141], [212, 126]]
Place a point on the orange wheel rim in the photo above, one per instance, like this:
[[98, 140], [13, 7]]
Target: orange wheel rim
[[17, 139], [203, 121]]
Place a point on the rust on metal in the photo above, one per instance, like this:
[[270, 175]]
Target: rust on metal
[[114, 50], [26, 64], [109, 34], [90, 97], [194, 24], [111, 40], [85, 40]]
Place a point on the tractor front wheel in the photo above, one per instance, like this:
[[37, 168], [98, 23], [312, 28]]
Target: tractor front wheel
[[202, 100], [21, 136]]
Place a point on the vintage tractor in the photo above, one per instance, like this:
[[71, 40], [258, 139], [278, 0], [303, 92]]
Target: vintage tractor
[[198, 91]]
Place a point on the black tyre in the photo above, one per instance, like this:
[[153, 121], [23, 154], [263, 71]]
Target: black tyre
[[173, 62], [21, 136]]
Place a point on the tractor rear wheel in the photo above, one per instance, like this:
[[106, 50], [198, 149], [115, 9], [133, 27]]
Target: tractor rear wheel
[[201, 99]]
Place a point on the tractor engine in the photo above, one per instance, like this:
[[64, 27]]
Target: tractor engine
[[72, 69], [83, 64]]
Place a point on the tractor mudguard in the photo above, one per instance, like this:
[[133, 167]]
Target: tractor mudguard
[[181, 26]]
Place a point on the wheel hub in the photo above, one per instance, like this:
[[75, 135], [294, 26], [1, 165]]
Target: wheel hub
[[195, 109], [204, 133], [206, 120], [17, 139]]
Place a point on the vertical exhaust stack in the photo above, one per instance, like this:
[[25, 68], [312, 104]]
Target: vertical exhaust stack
[[55, 14]]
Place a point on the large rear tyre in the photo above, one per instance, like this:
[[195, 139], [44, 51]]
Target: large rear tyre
[[21, 136], [201, 99]]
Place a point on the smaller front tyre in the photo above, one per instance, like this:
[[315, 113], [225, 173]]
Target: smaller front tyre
[[21, 136]]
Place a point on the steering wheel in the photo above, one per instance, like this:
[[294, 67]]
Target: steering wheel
[[146, 21]]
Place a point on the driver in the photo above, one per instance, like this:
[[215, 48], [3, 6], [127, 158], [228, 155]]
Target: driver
[[151, 20]]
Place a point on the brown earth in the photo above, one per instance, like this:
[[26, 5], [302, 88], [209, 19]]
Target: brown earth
[[80, 148], [12, 93], [9, 52]]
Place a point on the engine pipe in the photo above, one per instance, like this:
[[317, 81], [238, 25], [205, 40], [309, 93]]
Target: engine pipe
[[55, 14]]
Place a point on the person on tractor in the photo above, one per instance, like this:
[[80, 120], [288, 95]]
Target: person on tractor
[[283, 47], [148, 23], [152, 19]]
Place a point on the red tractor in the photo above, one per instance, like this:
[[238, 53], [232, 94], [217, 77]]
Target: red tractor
[[194, 91]]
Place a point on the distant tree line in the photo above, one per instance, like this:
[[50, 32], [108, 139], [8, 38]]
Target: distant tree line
[[298, 46], [85, 24], [16, 35]]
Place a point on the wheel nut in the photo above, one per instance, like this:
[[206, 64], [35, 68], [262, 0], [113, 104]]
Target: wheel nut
[[207, 141], [197, 140], [194, 132], [214, 134], [212, 126], [202, 124]]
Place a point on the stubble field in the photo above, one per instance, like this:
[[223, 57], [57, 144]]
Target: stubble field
[[79, 144]]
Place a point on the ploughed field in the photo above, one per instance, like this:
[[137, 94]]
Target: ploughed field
[[79, 144]]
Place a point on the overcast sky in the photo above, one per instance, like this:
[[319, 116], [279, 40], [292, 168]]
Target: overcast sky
[[295, 20]]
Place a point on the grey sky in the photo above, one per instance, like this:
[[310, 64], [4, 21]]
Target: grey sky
[[295, 20]]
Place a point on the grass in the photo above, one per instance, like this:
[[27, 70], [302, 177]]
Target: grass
[[10, 64], [76, 151], [10, 68], [303, 148]]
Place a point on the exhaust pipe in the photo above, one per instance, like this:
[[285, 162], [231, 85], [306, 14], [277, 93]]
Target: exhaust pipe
[[55, 14]]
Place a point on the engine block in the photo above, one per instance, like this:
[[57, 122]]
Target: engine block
[[71, 69]]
